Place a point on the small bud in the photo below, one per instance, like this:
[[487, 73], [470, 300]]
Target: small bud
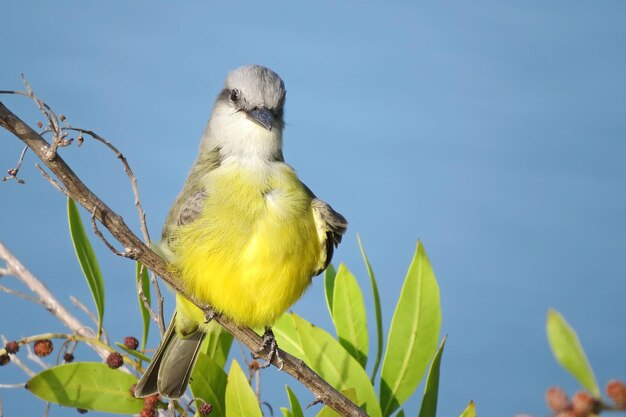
[[39, 124], [62, 117], [205, 409], [147, 412], [80, 139], [616, 391], [43, 347], [20, 181], [556, 399], [131, 342], [583, 404], [115, 360], [12, 347], [12, 172], [68, 357], [81, 411], [4, 359]]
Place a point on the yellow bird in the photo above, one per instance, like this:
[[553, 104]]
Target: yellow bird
[[244, 235]]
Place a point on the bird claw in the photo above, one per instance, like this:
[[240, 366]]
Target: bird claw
[[269, 351]]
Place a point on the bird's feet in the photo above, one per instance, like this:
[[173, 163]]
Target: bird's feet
[[269, 350], [209, 314]]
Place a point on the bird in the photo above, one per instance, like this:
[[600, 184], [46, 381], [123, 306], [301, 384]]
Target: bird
[[244, 235]]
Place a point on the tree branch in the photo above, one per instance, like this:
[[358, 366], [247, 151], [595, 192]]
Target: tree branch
[[136, 249]]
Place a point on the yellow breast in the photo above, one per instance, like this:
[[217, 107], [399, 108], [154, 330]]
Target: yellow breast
[[254, 249]]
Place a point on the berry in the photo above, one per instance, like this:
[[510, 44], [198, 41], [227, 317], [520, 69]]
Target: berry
[[556, 399], [12, 347], [616, 391], [151, 401], [115, 360], [205, 409], [147, 412], [43, 347], [131, 342], [4, 359], [68, 357], [583, 404]]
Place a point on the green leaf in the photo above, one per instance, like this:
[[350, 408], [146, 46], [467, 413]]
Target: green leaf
[[132, 352], [331, 361], [141, 273], [470, 410], [208, 382], [329, 286], [87, 259], [287, 336], [216, 345], [349, 315], [92, 386], [431, 391], [296, 408], [350, 394], [286, 412], [377, 311], [400, 413], [569, 353], [413, 334], [240, 399]]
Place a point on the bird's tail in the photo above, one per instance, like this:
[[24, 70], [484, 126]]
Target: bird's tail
[[172, 364]]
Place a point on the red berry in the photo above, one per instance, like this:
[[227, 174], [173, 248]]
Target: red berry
[[115, 360], [205, 409], [147, 412], [43, 347], [583, 404], [556, 399], [616, 391], [12, 347], [131, 342]]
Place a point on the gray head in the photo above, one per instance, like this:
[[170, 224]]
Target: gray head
[[256, 91]]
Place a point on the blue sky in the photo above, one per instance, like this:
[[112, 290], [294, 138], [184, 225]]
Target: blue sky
[[492, 131]]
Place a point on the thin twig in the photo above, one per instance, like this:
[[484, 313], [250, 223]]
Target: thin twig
[[14, 171], [50, 179], [159, 301], [98, 233], [77, 303], [129, 173], [48, 300], [20, 294], [17, 361], [11, 386], [144, 299]]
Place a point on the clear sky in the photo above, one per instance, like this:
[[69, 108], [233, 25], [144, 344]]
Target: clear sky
[[493, 131]]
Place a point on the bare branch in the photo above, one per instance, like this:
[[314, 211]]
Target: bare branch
[[20, 294], [114, 223], [49, 302]]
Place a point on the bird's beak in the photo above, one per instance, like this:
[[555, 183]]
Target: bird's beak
[[263, 116]]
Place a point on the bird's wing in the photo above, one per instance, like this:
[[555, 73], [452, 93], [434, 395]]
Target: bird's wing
[[330, 228], [190, 202]]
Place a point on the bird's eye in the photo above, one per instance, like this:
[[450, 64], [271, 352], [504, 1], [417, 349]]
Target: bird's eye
[[234, 95]]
